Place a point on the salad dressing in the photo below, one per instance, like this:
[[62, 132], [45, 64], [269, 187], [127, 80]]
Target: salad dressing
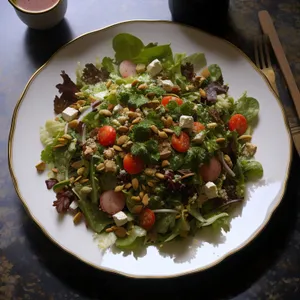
[[36, 5]]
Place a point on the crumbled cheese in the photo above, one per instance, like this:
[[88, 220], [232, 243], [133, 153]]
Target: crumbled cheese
[[117, 108], [120, 218], [69, 114], [101, 95], [249, 149], [186, 122], [167, 85], [211, 190], [154, 67], [74, 205], [199, 137]]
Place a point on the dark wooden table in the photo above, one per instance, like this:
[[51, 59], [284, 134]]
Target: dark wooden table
[[31, 267]]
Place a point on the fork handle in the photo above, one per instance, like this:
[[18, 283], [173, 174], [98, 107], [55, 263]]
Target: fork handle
[[269, 29]]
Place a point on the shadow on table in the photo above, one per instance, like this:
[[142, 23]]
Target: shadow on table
[[228, 279], [40, 45]]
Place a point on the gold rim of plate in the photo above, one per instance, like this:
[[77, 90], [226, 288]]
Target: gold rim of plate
[[245, 243]]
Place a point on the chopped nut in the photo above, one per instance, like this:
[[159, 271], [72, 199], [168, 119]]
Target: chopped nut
[[153, 103], [245, 138], [119, 188], [132, 114], [105, 112], [228, 161], [145, 199], [169, 121], [136, 198], [123, 129], [59, 146], [167, 130], [77, 218], [108, 83], [78, 178], [77, 164], [54, 170], [143, 86], [135, 82], [109, 153], [137, 209], [110, 107], [72, 179], [143, 187], [141, 194], [86, 189], [164, 154], [137, 120], [122, 119], [162, 135], [177, 217], [127, 145], [85, 180], [187, 175], [117, 148], [80, 171], [202, 93], [100, 167], [165, 163], [150, 95], [110, 166], [67, 136], [150, 172], [211, 125], [154, 128], [41, 166], [150, 183], [109, 229], [220, 140], [122, 139], [131, 127], [205, 73], [62, 140], [128, 186], [135, 183], [120, 232], [160, 176]]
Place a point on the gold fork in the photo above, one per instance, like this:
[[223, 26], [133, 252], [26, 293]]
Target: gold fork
[[263, 61]]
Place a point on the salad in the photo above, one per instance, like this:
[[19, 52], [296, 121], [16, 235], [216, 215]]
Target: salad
[[148, 146]]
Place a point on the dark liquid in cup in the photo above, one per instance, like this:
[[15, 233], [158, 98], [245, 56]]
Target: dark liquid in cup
[[35, 5]]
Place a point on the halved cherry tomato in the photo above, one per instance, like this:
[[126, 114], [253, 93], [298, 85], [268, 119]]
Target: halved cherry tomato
[[198, 127], [106, 135], [147, 218], [165, 100], [181, 143], [239, 123], [133, 164]]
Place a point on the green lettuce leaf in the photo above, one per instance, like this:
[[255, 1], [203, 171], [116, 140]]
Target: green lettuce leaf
[[198, 60], [215, 72], [128, 243], [247, 106], [251, 169]]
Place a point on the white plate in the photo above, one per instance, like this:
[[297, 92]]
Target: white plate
[[179, 258]]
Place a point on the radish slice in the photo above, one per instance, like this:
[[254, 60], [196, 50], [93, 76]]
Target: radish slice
[[127, 69], [83, 133], [211, 171], [87, 111], [66, 127], [112, 202]]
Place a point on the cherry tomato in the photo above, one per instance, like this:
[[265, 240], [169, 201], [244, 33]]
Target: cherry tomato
[[181, 143], [133, 164], [106, 135], [147, 218], [239, 123], [198, 127], [165, 100], [211, 171]]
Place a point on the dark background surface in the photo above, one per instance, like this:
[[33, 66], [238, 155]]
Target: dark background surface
[[32, 267]]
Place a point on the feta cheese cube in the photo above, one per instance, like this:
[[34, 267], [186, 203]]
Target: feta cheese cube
[[167, 85], [127, 86], [117, 108], [186, 122], [69, 114], [211, 190], [198, 139], [249, 149], [101, 95], [74, 205], [154, 67], [120, 218]]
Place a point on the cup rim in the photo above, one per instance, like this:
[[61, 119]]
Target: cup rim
[[30, 12]]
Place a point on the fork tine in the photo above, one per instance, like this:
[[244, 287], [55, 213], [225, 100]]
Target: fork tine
[[256, 52], [267, 50], [261, 52]]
